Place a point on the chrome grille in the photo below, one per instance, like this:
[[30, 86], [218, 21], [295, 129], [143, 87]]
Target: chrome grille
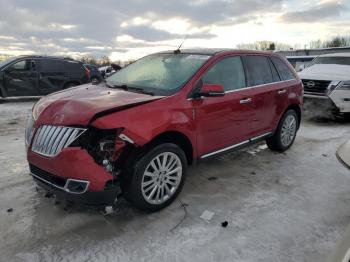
[[50, 140], [316, 87]]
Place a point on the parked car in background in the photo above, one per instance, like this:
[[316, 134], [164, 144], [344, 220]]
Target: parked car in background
[[95, 74], [40, 75], [106, 71], [300, 62], [327, 82], [137, 132]]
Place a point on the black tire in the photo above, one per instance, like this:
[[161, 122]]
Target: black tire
[[133, 177], [275, 142]]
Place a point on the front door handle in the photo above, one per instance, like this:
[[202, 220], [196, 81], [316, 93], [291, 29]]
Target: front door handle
[[245, 101], [282, 91]]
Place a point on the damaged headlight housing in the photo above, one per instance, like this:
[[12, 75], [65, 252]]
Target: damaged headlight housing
[[101, 145], [29, 131], [343, 85]]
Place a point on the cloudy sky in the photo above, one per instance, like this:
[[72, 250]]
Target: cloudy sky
[[129, 29]]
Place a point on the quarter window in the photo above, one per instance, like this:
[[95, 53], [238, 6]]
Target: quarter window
[[283, 70], [228, 72], [258, 70]]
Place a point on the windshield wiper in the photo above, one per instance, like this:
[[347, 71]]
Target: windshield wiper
[[131, 88]]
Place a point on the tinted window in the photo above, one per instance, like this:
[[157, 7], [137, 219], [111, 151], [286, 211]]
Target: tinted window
[[228, 72], [51, 65], [258, 70], [283, 70], [72, 66]]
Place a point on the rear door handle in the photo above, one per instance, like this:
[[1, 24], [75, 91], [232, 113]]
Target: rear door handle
[[282, 91], [245, 101]]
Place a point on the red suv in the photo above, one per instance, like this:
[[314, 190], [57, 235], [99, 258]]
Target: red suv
[[136, 133]]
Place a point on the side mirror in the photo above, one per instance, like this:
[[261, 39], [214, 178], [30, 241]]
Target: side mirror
[[211, 90]]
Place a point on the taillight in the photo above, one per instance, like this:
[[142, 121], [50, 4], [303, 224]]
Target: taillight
[[87, 73]]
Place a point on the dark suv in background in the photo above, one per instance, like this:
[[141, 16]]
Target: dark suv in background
[[40, 75]]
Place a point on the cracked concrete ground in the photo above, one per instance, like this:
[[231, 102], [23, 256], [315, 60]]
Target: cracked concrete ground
[[279, 207]]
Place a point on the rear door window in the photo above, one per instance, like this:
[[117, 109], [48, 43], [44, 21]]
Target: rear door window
[[258, 70], [283, 70], [228, 72]]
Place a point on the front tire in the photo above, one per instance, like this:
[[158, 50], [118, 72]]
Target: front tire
[[157, 177], [286, 132]]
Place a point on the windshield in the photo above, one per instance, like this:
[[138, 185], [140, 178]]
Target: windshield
[[331, 60], [161, 74]]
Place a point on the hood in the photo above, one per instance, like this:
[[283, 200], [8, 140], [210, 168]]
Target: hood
[[326, 72], [79, 105]]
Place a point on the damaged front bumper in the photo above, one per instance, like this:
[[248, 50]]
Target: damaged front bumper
[[74, 175]]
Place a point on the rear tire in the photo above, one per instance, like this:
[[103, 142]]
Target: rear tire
[[155, 178], [284, 136]]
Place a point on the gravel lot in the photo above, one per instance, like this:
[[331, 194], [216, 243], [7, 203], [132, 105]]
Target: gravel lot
[[279, 207]]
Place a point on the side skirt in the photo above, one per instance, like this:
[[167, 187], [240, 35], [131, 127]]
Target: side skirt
[[238, 146]]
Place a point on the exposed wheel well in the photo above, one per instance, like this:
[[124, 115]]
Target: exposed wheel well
[[176, 138], [297, 109]]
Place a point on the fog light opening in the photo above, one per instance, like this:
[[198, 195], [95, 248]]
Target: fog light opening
[[76, 186]]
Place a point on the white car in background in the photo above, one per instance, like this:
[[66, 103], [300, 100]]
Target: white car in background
[[327, 80], [106, 71]]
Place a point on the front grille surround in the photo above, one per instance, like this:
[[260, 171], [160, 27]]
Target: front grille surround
[[50, 140]]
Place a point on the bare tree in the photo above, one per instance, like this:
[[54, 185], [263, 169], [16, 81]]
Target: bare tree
[[264, 45]]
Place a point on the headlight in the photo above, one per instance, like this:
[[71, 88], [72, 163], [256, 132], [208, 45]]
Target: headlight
[[29, 130], [344, 85]]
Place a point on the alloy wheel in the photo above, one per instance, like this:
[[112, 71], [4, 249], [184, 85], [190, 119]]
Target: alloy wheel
[[161, 178], [288, 131]]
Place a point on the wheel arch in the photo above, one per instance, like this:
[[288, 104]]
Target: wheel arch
[[176, 138], [297, 109]]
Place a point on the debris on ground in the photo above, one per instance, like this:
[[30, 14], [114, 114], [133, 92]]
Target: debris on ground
[[212, 178], [108, 210], [255, 150], [183, 205], [253, 173], [207, 215], [324, 155], [224, 224], [9, 210]]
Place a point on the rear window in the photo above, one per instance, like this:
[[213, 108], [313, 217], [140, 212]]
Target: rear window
[[258, 70], [283, 70]]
